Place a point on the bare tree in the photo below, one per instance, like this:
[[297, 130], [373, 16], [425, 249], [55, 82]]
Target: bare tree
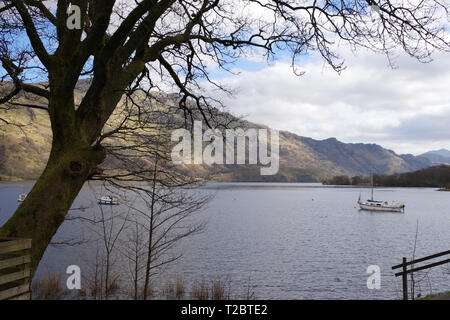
[[131, 45], [107, 226], [133, 249], [413, 283], [166, 215]]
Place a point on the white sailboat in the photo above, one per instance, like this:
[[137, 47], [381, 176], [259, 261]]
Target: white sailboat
[[377, 205]]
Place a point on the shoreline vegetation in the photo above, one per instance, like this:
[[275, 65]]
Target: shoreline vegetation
[[437, 296], [433, 177], [51, 287]]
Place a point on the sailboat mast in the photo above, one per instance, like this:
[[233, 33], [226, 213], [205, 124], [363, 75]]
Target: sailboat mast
[[371, 181]]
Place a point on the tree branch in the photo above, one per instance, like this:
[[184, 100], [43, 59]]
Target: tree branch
[[33, 35]]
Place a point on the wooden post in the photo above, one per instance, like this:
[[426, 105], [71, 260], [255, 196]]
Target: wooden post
[[405, 280], [404, 265]]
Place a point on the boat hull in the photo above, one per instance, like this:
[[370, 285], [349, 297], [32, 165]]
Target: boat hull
[[381, 208]]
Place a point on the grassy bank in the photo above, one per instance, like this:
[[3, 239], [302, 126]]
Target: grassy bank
[[436, 296]]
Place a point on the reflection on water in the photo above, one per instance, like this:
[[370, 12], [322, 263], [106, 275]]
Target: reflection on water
[[294, 241]]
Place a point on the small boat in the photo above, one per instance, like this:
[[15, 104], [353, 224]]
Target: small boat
[[109, 200], [21, 197], [374, 205]]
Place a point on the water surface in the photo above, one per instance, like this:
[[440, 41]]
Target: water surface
[[292, 240]]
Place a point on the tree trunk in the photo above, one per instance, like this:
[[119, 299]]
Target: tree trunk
[[46, 206]]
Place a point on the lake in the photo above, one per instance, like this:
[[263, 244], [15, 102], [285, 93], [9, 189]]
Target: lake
[[291, 240]]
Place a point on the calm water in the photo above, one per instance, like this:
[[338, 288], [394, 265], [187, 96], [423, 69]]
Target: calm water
[[293, 241]]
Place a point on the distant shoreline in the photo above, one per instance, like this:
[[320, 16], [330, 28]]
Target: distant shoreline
[[432, 177], [262, 184]]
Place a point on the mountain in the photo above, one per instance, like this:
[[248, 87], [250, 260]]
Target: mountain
[[441, 156], [24, 151]]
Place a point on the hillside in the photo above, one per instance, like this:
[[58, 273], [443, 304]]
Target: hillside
[[24, 151], [441, 156]]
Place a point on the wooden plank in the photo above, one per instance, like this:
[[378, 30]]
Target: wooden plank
[[15, 245], [440, 254], [14, 291], [25, 296], [14, 241], [423, 267], [15, 276], [6, 239], [9, 242], [14, 262]]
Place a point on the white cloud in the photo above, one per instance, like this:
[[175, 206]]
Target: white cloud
[[406, 109]]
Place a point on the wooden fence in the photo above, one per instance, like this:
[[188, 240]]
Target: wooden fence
[[15, 269], [404, 265]]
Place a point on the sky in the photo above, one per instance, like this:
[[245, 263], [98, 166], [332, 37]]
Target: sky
[[405, 109]]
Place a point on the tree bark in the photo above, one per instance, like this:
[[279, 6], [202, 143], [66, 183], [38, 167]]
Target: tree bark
[[46, 206]]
